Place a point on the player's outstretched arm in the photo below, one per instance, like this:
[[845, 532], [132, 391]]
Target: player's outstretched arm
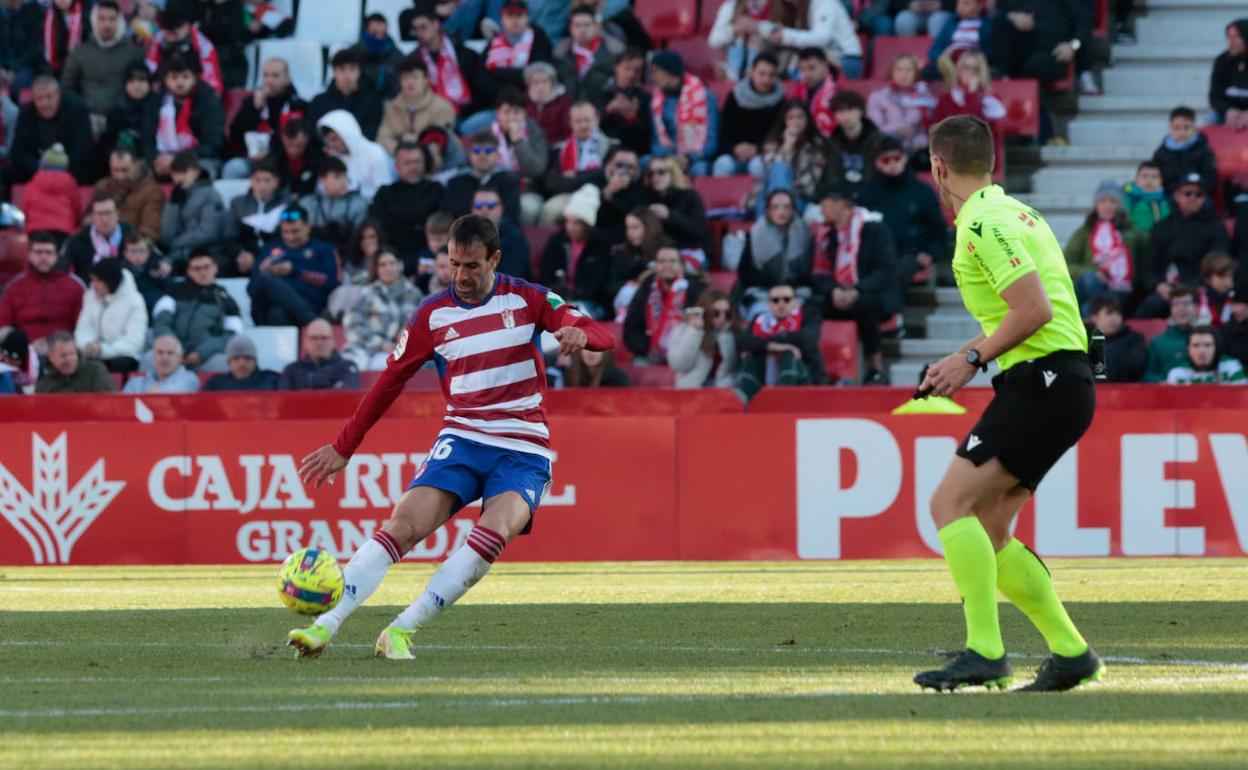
[[574, 330]]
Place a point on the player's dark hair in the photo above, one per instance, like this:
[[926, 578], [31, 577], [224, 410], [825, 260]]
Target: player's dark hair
[[1183, 112], [473, 228], [1182, 290], [847, 100], [964, 143], [1105, 302], [1147, 164]]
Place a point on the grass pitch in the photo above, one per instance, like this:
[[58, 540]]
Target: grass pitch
[[706, 665]]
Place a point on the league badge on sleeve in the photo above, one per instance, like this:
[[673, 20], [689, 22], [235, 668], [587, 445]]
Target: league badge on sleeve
[[555, 300], [400, 346]]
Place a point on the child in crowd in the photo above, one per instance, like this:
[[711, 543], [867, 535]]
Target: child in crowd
[[1217, 278], [971, 30], [1145, 199], [1185, 151], [253, 218], [437, 235], [335, 210]]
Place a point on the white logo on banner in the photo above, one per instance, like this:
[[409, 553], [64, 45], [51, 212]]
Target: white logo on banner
[[52, 516]]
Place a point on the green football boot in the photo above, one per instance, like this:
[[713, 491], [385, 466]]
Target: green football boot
[[395, 644], [308, 642]]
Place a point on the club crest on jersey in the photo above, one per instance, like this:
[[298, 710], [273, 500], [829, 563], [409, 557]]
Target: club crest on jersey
[[509, 319], [400, 346]]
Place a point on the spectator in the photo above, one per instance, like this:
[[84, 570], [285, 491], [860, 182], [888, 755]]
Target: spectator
[[366, 242], [265, 20], [335, 209], [516, 260], [17, 55], [753, 106], [223, 22], [244, 373], [970, 94], [1178, 244], [853, 145], [911, 213], [643, 235], [685, 114], [586, 59], [816, 87], [440, 272], [900, 108], [522, 147], [112, 326], [123, 127], [918, 17], [744, 28], [403, 206], [379, 56], [628, 71], [146, 22], [51, 201], [703, 347], [368, 166], [194, 217], [1105, 251], [437, 236], [576, 162], [1186, 151], [1145, 198], [19, 363], [99, 240], [140, 201], [1217, 279], [180, 37], [627, 120], [381, 312], [778, 251], [63, 28], [577, 259], [854, 274], [679, 207], [1040, 39], [622, 192], [348, 94], [71, 373], [447, 154], [1234, 332], [658, 306], [168, 375], [483, 169], [780, 347], [1205, 364], [517, 45], [52, 117], [298, 155], [43, 298], [793, 158], [95, 69], [8, 124], [455, 71], [968, 31], [1169, 349], [1126, 352], [253, 218], [1228, 82], [201, 314], [323, 367], [188, 118], [292, 283], [254, 129], [591, 369], [415, 107], [547, 101], [149, 269]]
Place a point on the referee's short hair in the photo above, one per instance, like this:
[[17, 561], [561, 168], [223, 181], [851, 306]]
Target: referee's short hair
[[472, 228], [964, 143]]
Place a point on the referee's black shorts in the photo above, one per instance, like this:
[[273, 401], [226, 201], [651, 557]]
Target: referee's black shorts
[[1039, 411]]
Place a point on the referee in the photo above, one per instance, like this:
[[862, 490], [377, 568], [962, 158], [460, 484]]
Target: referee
[[1014, 281]]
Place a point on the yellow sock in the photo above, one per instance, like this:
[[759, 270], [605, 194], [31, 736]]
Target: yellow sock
[[973, 563], [1024, 580]]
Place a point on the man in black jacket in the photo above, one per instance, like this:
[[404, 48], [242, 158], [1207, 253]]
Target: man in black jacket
[[482, 168], [101, 239], [1126, 351], [780, 347], [244, 373], [189, 116], [1228, 82], [403, 206], [855, 274], [1178, 244], [1234, 333], [910, 209], [1039, 38], [53, 116], [268, 109], [348, 93], [750, 112]]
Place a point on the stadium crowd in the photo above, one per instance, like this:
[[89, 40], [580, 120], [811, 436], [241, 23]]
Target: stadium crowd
[[170, 214]]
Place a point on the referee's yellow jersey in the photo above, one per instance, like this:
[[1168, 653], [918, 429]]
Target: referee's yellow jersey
[[1000, 240]]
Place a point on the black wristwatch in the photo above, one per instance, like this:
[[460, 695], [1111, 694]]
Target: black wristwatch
[[973, 358]]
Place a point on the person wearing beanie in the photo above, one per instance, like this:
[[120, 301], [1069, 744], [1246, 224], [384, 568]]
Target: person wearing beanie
[[685, 114], [51, 200], [1104, 254], [245, 373], [112, 326], [586, 58], [577, 259]]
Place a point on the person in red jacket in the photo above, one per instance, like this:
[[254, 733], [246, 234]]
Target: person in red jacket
[[51, 200], [42, 299]]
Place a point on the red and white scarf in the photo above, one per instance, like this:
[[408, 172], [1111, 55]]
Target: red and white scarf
[[209, 64], [848, 241], [55, 23], [173, 131], [663, 312], [1208, 313], [585, 55], [825, 121], [445, 76], [503, 54], [691, 117], [1110, 255], [105, 247], [506, 155], [285, 116], [767, 325], [571, 158], [965, 38]]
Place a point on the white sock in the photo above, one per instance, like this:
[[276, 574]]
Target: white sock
[[458, 573], [361, 577]]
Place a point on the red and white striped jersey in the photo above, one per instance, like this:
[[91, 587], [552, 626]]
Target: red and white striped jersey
[[489, 361]]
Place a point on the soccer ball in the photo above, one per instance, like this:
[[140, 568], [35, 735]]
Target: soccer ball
[[310, 581]]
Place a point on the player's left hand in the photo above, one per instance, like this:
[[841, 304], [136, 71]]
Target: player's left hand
[[571, 340], [322, 465], [948, 375]]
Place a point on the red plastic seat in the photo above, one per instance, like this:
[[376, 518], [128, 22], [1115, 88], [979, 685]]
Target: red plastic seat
[[721, 192], [12, 253], [1149, 327], [1230, 148], [723, 280], [623, 355], [721, 89], [1021, 98], [234, 100], [707, 11], [667, 19], [885, 48], [1065, 84], [699, 57], [650, 376], [838, 341]]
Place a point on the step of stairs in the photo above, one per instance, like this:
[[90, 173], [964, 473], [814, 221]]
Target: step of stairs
[[1155, 107], [1083, 154], [1058, 179], [1203, 28], [1182, 81], [948, 325], [1106, 131]]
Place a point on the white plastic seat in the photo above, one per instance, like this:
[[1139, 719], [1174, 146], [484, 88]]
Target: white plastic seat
[[276, 346], [305, 58], [329, 21], [229, 189], [237, 289], [391, 10]]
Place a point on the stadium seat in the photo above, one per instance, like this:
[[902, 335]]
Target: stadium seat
[[17, 194], [237, 289], [1065, 84], [622, 354], [276, 346], [327, 23], [234, 100], [650, 376], [838, 341], [1149, 327], [1021, 98], [12, 254], [229, 189], [723, 192], [707, 10], [537, 236], [306, 60], [699, 58], [723, 280], [1230, 147], [667, 19], [885, 48], [390, 9], [721, 89]]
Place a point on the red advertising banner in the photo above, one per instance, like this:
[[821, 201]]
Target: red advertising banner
[[676, 485]]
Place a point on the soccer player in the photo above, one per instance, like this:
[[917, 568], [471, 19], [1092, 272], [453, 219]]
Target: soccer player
[[1014, 281], [482, 333]]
